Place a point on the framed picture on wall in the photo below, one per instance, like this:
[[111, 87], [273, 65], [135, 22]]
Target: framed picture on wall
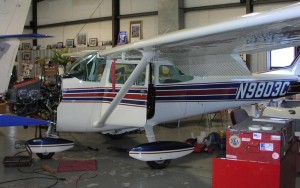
[[81, 39], [26, 46], [107, 43], [93, 42], [60, 45], [122, 38], [26, 55], [135, 31], [70, 43]]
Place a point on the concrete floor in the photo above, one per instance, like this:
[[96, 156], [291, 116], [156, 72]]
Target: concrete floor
[[115, 168]]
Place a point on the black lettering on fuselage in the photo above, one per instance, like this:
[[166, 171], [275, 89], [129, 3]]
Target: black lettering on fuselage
[[257, 90]]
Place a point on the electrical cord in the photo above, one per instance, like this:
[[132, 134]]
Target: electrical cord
[[88, 178], [39, 171], [22, 179], [16, 154], [36, 171], [88, 147]]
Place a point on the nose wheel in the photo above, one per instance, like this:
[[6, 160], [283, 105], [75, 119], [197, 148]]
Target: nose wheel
[[46, 147]]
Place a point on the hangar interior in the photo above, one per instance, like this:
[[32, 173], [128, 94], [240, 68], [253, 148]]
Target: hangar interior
[[79, 27]]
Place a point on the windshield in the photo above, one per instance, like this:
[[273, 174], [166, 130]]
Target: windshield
[[88, 68]]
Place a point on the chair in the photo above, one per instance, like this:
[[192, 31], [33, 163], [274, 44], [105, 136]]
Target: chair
[[238, 115]]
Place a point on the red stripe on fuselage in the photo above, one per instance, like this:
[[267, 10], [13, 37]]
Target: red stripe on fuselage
[[197, 92]]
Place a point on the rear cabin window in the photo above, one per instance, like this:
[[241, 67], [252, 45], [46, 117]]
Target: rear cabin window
[[171, 74], [282, 57], [123, 71]]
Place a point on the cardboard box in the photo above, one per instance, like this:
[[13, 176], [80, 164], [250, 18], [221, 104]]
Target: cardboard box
[[51, 71], [2, 108]]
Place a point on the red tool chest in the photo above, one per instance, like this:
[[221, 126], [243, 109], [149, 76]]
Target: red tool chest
[[248, 174], [259, 145]]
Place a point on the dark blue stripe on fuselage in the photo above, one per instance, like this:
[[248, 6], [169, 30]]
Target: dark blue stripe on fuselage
[[258, 90], [100, 99]]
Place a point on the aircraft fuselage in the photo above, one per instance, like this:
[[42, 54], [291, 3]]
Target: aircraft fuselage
[[173, 95]]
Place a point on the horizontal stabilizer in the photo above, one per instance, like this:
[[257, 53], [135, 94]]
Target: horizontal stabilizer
[[11, 120]]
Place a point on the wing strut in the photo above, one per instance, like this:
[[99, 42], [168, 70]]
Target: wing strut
[[147, 56]]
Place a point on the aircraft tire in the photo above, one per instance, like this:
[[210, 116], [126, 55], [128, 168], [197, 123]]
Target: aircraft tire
[[158, 164], [45, 155]]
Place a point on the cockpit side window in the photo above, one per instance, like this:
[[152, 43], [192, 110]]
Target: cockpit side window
[[171, 74], [123, 71], [89, 68]]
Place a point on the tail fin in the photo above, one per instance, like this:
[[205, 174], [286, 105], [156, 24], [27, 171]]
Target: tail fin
[[13, 14]]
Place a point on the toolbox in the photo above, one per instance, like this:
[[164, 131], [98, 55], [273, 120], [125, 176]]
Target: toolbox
[[260, 139]]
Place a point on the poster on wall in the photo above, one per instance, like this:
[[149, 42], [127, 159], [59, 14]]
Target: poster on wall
[[26, 46], [93, 42], [70, 43], [27, 70], [122, 38], [26, 55], [135, 31], [60, 45], [81, 39]]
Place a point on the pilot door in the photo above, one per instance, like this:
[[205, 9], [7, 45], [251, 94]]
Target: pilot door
[[132, 108], [82, 94]]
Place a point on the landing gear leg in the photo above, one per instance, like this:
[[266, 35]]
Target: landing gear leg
[[151, 138], [150, 133], [51, 132]]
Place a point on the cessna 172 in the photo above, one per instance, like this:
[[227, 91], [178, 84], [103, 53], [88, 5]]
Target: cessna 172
[[177, 75], [174, 76]]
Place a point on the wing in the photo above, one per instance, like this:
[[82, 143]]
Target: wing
[[249, 33], [11, 120]]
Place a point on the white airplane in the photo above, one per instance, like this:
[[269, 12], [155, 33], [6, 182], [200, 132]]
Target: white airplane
[[174, 76], [177, 75]]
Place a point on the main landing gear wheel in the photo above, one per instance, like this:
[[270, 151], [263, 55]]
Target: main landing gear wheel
[[45, 155], [158, 164]]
